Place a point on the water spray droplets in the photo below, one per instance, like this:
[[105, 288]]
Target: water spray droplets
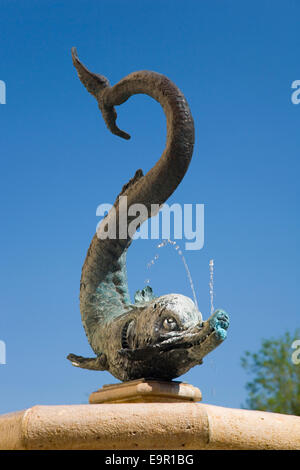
[[179, 251]]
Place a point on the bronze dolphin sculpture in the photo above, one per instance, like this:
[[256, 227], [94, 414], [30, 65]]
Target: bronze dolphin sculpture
[[160, 337]]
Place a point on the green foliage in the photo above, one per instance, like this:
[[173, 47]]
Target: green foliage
[[276, 383]]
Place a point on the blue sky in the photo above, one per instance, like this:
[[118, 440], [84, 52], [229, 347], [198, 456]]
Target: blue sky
[[235, 63]]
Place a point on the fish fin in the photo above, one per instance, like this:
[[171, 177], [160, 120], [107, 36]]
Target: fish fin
[[92, 81], [138, 175], [144, 295], [92, 363]]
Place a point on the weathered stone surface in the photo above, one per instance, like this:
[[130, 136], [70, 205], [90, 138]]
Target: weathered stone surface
[[147, 426]]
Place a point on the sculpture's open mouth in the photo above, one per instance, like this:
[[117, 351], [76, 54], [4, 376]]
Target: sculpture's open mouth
[[186, 343], [202, 339]]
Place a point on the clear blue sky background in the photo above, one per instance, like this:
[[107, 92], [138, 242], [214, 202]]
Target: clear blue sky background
[[235, 62]]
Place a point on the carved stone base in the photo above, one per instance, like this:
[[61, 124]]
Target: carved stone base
[[146, 391]]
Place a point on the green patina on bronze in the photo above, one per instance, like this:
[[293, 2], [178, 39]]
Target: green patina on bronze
[[154, 337]]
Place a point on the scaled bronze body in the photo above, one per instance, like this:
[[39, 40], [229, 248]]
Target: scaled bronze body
[[154, 337]]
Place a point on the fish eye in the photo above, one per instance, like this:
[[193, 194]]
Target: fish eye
[[170, 324]]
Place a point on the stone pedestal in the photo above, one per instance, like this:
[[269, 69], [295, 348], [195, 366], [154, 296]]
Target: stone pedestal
[[146, 391]]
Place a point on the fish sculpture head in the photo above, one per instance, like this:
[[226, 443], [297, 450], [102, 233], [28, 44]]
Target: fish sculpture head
[[168, 336]]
